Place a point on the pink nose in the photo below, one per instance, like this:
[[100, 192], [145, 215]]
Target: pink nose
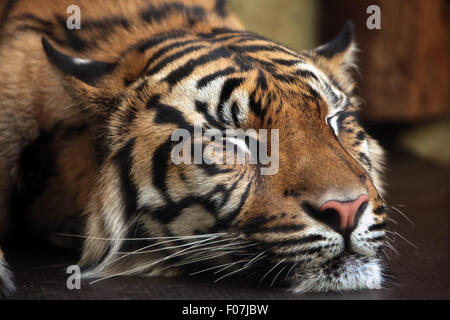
[[346, 209]]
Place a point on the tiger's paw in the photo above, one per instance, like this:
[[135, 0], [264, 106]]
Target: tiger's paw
[[7, 288]]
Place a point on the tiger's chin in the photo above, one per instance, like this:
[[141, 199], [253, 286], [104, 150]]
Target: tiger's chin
[[349, 272]]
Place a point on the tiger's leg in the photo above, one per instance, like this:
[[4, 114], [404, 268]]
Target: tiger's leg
[[18, 128], [7, 287]]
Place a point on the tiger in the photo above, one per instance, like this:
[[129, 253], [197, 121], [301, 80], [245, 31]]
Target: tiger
[[87, 117]]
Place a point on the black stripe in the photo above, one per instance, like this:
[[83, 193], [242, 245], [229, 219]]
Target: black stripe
[[6, 10], [221, 8], [297, 253], [167, 114], [226, 30], [222, 38], [174, 209], [32, 18], [203, 82], [203, 108], [377, 227], [262, 82], [307, 74], [102, 27], [185, 70], [281, 228], [235, 112], [242, 64], [283, 77], [228, 87], [225, 221], [286, 62], [252, 48], [149, 43], [212, 169], [313, 95], [257, 48], [360, 135], [124, 161], [106, 24], [380, 210], [171, 46], [298, 241], [162, 64], [376, 239], [126, 117], [344, 115], [256, 223], [160, 167], [256, 107], [365, 159], [144, 45], [266, 64], [156, 14]]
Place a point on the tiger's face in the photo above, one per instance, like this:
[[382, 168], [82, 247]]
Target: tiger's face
[[315, 223]]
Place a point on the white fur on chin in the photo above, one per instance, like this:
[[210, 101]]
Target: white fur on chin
[[353, 273]]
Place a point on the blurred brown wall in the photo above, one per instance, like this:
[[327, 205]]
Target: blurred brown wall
[[290, 22], [405, 65]]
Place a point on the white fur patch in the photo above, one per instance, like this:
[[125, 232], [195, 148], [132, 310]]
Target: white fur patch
[[351, 273]]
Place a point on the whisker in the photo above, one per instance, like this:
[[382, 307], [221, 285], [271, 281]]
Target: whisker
[[229, 274], [293, 266], [230, 265], [219, 266], [176, 247], [203, 258], [274, 279], [149, 251], [392, 220], [146, 266], [219, 248], [264, 276], [402, 237], [402, 214], [142, 239], [255, 259], [385, 254], [392, 248], [152, 245]]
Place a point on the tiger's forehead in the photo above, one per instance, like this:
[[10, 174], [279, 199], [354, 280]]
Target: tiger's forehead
[[223, 75]]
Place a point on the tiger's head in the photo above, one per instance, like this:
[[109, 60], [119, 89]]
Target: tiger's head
[[315, 223]]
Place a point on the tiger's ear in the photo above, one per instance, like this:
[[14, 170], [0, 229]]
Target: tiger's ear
[[95, 84], [341, 50], [87, 71]]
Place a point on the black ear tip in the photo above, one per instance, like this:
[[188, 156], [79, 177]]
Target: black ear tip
[[48, 48], [349, 29], [349, 25], [45, 43], [339, 44]]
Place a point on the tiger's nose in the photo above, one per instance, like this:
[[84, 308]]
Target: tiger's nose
[[348, 211]]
